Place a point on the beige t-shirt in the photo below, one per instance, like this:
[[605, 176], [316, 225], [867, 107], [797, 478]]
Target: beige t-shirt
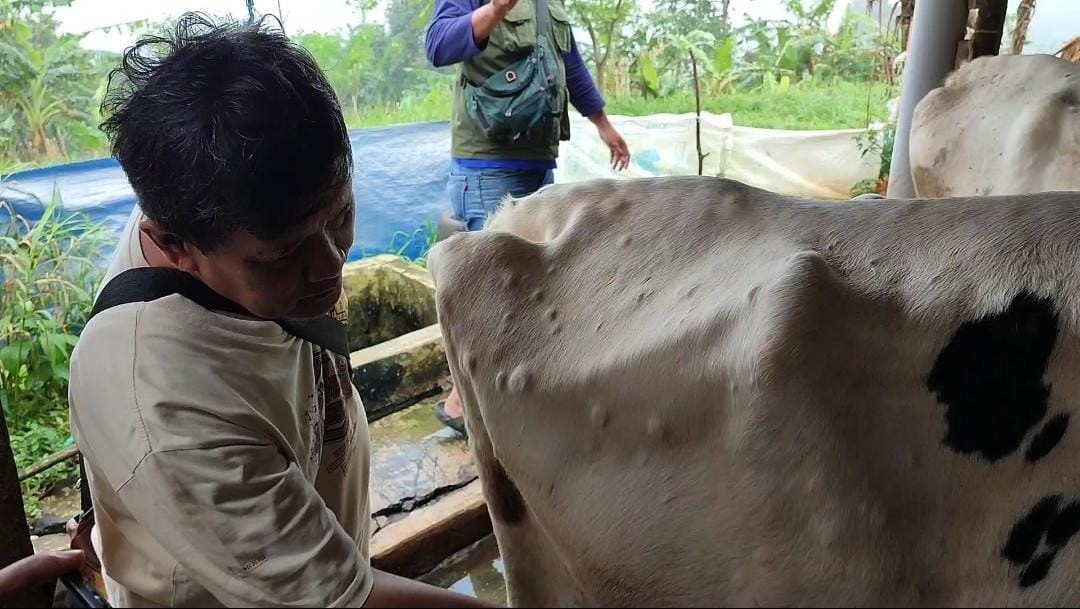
[[228, 460]]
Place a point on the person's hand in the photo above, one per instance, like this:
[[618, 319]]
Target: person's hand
[[34, 571], [486, 18], [502, 7], [620, 154]]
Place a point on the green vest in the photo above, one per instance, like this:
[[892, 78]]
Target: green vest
[[511, 40]]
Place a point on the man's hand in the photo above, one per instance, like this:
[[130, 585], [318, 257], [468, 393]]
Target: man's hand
[[502, 7], [486, 18], [37, 570], [620, 154]]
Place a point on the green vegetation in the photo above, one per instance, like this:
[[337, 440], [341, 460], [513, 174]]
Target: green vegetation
[[789, 74], [808, 104], [50, 88], [402, 241], [805, 105], [881, 144], [771, 74], [50, 269]]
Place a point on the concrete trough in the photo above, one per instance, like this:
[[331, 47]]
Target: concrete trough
[[398, 355]]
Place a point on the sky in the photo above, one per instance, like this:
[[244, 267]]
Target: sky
[[1055, 20], [94, 15], [1055, 23], [298, 15]]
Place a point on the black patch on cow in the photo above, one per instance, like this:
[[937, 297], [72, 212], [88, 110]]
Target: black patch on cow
[[1065, 526], [508, 506], [1048, 437], [989, 377], [1027, 534], [1037, 569], [1046, 522]]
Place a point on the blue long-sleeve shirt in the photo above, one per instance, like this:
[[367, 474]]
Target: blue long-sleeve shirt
[[449, 40]]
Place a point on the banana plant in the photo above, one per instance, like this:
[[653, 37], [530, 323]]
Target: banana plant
[[44, 81]]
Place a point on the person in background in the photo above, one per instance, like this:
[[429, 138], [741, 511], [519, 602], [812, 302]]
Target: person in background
[[484, 38]]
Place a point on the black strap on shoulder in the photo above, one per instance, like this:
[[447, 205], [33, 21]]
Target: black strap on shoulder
[[151, 283], [543, 23], [146, 284]]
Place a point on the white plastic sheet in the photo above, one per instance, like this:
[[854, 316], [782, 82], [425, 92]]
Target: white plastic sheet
[[820, 164]]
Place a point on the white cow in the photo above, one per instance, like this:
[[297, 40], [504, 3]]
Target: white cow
[[1007, 124], [690, 392]]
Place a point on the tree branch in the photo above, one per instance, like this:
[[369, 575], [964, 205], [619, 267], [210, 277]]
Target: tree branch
[[48, 462], [611, 29], [592, 36], [697, 124]]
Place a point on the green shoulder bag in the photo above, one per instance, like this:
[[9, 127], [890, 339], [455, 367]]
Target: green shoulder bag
[[517, 102]]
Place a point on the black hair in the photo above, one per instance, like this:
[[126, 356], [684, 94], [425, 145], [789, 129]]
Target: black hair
[[223, 128]]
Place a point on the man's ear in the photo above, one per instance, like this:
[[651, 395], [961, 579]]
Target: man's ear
[[177, 252]]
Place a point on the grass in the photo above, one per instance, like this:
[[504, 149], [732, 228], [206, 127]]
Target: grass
[[841, 105], [422, 107], [806, 105], [401, 242]]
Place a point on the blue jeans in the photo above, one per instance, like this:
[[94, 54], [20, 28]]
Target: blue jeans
[[476, 193]]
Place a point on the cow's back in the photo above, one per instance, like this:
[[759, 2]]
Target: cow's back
[[692, 392], [1006, 124]]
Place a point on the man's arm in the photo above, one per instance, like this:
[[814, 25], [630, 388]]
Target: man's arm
[[246, 525], [393, 591], [36, 570], [584, 95], [459, 29]]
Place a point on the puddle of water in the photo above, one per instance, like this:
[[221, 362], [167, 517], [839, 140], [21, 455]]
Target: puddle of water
[[413, 424], [413, 455], [476, 571]]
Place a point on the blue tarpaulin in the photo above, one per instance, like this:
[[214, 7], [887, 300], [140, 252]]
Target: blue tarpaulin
[[399, 181]]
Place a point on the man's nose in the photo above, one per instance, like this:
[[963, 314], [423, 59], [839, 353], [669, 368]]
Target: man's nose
[[326, 261]]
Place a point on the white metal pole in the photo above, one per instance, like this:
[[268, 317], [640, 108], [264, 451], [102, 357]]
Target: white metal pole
[[937, 27]]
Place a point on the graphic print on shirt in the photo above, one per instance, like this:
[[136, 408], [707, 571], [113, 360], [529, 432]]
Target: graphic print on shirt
[[313, 418], [333, 388]]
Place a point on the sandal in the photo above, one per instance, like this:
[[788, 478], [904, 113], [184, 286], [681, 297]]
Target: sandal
[[455, 423]]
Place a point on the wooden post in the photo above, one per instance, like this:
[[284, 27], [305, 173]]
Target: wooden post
[[14, 532], [907, 12], [989, 27]]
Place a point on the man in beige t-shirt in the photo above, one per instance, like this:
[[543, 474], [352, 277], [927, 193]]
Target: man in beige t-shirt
[[228, 459]]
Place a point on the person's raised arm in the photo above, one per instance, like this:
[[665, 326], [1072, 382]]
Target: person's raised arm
[[459, 29]]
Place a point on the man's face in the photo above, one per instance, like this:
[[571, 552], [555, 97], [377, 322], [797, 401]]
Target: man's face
[[297, 274]]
